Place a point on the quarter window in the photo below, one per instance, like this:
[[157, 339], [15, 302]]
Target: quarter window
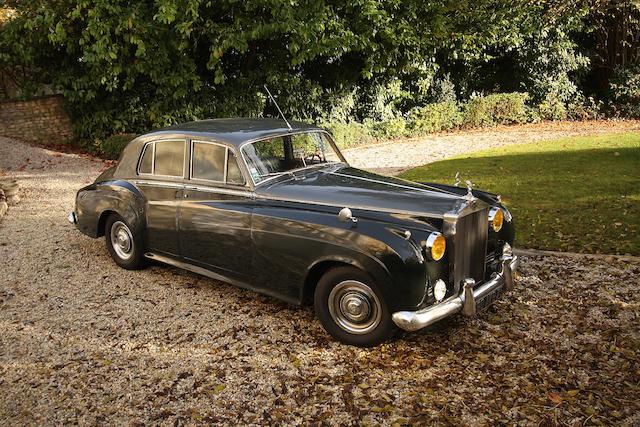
[[146, 164], [169, 158], [234, 176]]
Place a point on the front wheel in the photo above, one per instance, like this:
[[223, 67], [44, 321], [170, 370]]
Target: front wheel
[[123, 246], [350, 307]]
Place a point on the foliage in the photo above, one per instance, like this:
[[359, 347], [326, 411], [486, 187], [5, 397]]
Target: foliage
[[625, 88], [562, 193], [503, 108], [552, 108], [391, 128], [131, 66], [435, 117], [107, 148], [350, 134]]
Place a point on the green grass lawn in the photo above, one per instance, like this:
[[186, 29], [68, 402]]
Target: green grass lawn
[[575, 194]]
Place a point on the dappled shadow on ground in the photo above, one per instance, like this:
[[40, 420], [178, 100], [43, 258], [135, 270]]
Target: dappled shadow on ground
[[84, 341]]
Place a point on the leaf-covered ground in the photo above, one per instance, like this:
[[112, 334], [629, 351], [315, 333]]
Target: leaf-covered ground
[[83, 341]]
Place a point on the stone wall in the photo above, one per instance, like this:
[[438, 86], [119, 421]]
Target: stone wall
[[38, 119]]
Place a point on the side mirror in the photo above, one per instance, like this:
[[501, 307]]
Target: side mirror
[[346, 215]]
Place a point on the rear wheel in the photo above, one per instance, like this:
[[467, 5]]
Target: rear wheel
[[350, 307], [123, 246]]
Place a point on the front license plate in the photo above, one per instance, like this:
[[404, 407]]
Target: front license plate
[[488, 299]]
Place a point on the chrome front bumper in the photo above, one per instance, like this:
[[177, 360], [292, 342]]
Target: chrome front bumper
[[72, 218], [464, 302]]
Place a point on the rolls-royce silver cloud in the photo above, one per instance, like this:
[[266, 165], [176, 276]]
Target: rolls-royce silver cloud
[[277, 209]]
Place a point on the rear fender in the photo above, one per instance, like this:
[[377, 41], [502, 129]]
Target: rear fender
[[96, 201]]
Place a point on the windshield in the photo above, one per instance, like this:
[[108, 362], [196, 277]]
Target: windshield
[[283, 154]]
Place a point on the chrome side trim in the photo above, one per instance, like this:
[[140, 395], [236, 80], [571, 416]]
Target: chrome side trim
[[465, 301], [162, 184], [193, 268], [218, 190]]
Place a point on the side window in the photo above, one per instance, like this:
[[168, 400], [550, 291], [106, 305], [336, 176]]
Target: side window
[[169, 158], [146, 163], [208, 161], [234, 176]]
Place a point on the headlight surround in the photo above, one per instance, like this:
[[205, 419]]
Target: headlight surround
[[436, 246], [496, 218]]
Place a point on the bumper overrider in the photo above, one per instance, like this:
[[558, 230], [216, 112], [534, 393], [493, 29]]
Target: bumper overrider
[[465, 302]]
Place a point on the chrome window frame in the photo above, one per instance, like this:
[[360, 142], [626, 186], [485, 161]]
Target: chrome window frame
[[153, 160], [228, 151], [280, 135], [226, 157]]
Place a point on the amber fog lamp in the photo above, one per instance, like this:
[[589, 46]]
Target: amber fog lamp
[[496, 218], [436, 246]]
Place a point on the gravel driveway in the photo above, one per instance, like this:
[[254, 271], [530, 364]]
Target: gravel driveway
[[83, 341]]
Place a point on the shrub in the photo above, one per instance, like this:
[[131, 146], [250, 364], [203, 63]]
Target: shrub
[[349, 134], [625, 89], [434, 117], [552, 108], [391, 128], [583, 108], [112, 146], [491, 110]]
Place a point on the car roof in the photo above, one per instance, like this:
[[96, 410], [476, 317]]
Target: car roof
[[234, 131]]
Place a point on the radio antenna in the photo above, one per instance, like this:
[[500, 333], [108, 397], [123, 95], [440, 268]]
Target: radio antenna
[[278, 107]]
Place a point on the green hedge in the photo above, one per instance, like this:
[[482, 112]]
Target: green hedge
[[480, 111], [491, 110], [110, 147], [434, 118]]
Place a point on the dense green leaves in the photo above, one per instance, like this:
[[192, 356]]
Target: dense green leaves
[[128, 66]]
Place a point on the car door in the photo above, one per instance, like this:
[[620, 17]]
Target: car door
[[215, 213], [161, 173]]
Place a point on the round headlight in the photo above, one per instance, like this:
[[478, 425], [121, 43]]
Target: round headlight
[[496, 217], [436, 246]]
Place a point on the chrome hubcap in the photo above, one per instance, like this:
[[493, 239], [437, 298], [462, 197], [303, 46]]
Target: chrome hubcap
[[121, 240], [354, 307]]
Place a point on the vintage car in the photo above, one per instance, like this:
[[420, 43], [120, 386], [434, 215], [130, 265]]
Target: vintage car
[[279, 210]]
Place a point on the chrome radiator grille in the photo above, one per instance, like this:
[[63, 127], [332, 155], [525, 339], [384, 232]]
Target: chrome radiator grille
[[470, 246]]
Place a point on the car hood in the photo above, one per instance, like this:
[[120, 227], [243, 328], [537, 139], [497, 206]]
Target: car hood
[[344, 186]]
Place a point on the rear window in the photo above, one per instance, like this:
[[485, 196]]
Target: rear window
[[163, 158]]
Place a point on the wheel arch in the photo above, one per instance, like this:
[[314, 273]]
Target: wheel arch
[[377, 271], [102, 221], [95, 203]]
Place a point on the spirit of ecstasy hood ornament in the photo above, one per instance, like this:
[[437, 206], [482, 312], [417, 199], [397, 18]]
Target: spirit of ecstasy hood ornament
[[469, 195]]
